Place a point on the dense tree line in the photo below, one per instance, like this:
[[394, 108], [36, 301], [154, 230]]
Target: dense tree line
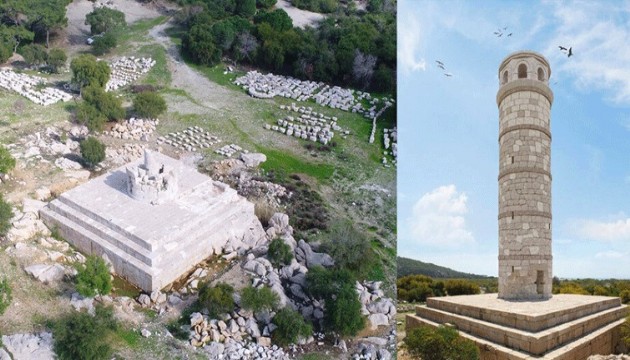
[[27, 22], [349, 47]]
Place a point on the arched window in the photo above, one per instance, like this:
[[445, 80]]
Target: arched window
[[505, 77], [522, 71], [541, 74]]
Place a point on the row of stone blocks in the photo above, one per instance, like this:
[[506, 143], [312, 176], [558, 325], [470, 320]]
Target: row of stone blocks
[[150, 267], [562, 333]]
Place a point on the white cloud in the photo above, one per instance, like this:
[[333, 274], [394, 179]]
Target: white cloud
[[617, 229], [610, 255], [598, 33], [437, 218], [409, 44]]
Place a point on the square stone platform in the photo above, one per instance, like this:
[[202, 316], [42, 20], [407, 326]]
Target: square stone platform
[[563, 327], [153, 245]]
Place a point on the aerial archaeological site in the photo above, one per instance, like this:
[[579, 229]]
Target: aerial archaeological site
[[209, 179]]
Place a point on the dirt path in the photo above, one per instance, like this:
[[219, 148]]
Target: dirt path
[[301, 18]]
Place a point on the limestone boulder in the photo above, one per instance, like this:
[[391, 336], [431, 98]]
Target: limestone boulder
[[46, 273], [377, 320], [29, 346], [253, 159], [313, 258]]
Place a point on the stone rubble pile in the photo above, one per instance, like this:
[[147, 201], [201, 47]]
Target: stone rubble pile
[[47, 142], [26, 223], [126, 70], [27, 86], [127, 153], [379, 309], [190, 139], [229, 150], [252, 188], [27, 346], [238, 325], [270, 85], [373, 348], [135, 129], [310, 125], [235, 350], [338, 98]]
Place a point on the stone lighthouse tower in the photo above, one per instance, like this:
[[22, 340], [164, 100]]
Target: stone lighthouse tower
[[524, 100]]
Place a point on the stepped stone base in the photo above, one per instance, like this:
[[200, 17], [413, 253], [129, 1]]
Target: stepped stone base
[[563, 327], [153, 245]]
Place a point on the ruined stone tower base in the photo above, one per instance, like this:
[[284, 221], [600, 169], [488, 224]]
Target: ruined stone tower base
[[150, 244], [565, 327]]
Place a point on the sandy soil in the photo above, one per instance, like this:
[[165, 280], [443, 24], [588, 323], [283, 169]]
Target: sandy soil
[[301, 18]]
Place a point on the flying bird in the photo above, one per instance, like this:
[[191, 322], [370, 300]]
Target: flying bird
[[510, 34], [570, 52], [562, 48], [448, 74], [439, 62]]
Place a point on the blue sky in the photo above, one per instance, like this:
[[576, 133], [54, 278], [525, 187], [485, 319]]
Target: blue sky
[[448, 147]]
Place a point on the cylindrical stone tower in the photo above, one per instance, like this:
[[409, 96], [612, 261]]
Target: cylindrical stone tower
[[524, 100]]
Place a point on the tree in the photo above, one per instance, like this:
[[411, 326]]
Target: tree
[[149, 104], [5, 295], [105, 102], [92, 151], [105, 19], [79, 335], [86, 70], [105, 42], [290, 327], [259, 299], [6, 213], [363, 68], [223, 33], [199, 44], [245, 8], [266, 4], [34, 54], [217, 299], [47, 16], [93, 277], [246, 46], [461, 287], [56, 59], [7, 162], [90, 116], [15, 35], [5, 53], [278, 19]]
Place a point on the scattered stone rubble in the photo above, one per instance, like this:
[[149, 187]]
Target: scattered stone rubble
[[309, 125], [27, 346], [126, 70], [134, 129], [127, 153], [28, 86], [191, 139], [390, 140], [270, 85], [229, 150], [47, 142]]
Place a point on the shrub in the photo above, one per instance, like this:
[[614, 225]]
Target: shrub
[[290, 327], [149, 104], [350, 249], [79, 335], [461, 287], [625, 296], [105, 102], [92, 151], [56, 59], [342, 311], [572, 288], [279, 252], [5, 295], [93, 277], [7, 162], [86, 70], [34, 54], [104, 19], [442, 343], [217, 299], [88, 115], [259, 299], [6, 213], [105, 42]]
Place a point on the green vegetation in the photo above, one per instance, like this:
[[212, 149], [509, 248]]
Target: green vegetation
[[342, 313], [417, 288], [442, 343], [5, 295], [104, 43], [279, 253], [34, 54], [461, 287], [93, 277], [259, 299], [25, 21], [106, 103], [217, 299], [87, 71], [79, 335], [149, 104], [6, 213], [413, 267], [291, 327], [104, 19], [92, 151], [350, 249], [7, 162], [90, 116], [56, 59], [347, 48]]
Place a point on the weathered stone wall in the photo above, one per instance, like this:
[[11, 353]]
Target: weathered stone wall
[[524, 100]]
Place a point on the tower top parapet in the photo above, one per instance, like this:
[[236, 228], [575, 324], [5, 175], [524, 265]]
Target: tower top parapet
[[524, 70]]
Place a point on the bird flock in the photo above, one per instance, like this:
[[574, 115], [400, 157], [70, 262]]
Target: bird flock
[[499, 33]]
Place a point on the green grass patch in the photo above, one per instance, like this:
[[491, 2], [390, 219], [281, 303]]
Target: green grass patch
[[130, 337], [140, 28], [159, 75], [122, 287], [278, 160], [149, 313], [216, 74]]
